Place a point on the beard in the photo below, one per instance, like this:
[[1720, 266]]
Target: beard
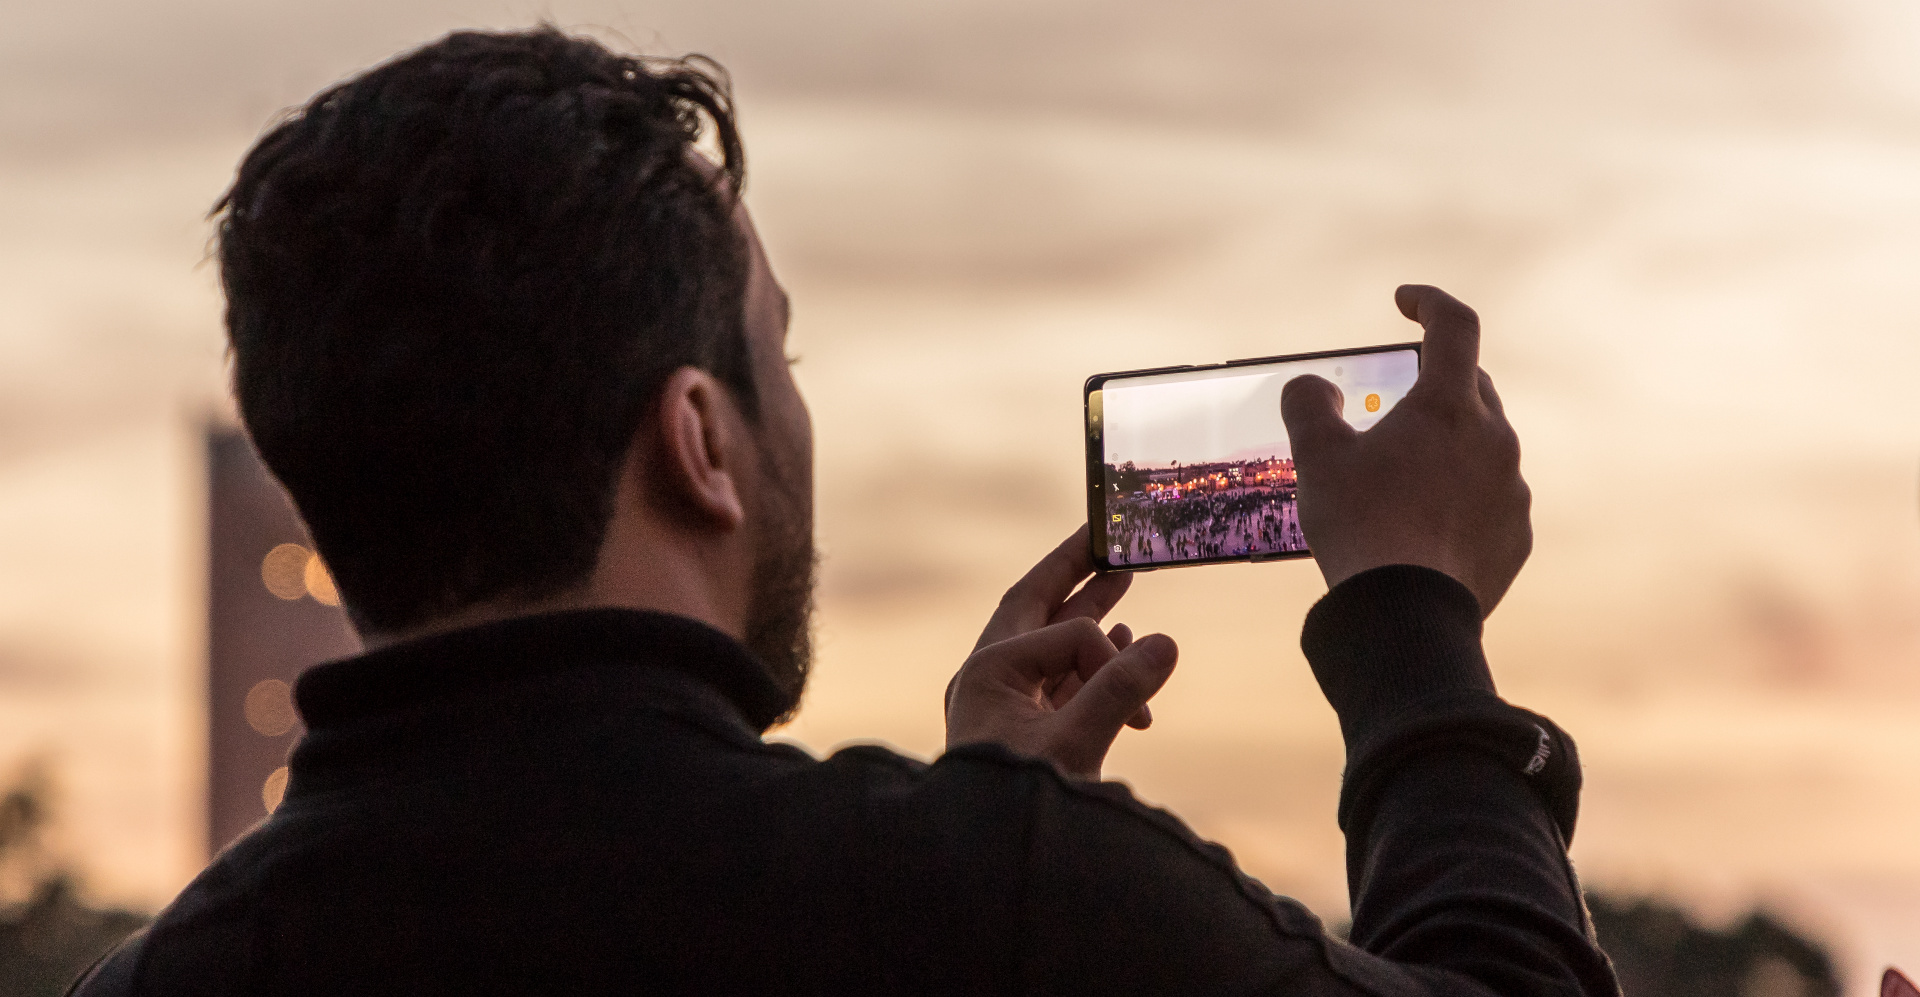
[[780, 605]]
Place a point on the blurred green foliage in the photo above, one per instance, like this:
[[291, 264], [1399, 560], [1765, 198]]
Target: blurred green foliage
[[1660, 951], [48, 935]]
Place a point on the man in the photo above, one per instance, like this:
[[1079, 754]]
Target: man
[[515, 351]]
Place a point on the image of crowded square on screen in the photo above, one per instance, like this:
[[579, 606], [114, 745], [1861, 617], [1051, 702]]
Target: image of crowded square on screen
[[1197, 462]]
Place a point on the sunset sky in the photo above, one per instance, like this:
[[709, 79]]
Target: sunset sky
[[1691, 229]]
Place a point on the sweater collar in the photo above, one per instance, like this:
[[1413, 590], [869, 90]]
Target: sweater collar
[[407, 674]]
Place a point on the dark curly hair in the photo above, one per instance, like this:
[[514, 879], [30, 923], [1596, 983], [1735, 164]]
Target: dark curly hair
[[456, 282]]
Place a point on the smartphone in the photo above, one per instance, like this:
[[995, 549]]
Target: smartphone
[[1191, 465]]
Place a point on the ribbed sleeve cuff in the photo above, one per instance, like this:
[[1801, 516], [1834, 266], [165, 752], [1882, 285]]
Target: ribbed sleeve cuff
[[1392, 637]]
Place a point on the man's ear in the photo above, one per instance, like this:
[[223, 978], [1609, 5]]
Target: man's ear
[[702, 448]]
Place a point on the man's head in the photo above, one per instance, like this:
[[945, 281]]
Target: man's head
[[510, 342]]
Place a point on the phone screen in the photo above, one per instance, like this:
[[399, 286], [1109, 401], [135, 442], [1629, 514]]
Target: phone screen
[[1191, 465]]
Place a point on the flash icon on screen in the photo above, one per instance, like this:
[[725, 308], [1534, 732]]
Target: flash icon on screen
[[1373, 403]]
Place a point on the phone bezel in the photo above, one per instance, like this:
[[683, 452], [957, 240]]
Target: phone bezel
[[1094, 432]]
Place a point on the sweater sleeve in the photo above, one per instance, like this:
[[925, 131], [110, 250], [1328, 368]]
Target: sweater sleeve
[[1457, 809]]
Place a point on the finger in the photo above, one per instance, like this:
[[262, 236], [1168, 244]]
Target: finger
[[1310, 406], [1096, 598], [1489, 397], [1120, 687], [1062, 691], [1450, 350], [1120, 636], [1509, 442], [1029, 660], [1031, 602]]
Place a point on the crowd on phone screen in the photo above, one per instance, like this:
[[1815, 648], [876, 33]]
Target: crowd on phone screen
[[1232, 523]]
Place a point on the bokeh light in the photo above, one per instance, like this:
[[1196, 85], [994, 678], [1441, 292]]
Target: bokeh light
[[274, 789], [318, 582], [284, 570], [270, 709]]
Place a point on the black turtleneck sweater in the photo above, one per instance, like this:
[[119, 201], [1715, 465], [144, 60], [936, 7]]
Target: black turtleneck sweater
[[582, 803]]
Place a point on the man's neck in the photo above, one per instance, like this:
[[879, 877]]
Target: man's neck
[[618, 583], [473, 616]]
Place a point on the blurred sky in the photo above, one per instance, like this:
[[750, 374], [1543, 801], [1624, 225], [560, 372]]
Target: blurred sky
[[1691, 228]]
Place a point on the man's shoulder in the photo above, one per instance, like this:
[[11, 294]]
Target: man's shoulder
[[1031, 782], [986, 788], [112, 975], [1093, 862], [206, 942], [1052, 805]]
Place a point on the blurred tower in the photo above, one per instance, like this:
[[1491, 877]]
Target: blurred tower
[[271, 612]]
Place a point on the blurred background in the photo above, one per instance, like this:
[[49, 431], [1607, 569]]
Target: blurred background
[[1691, 228]]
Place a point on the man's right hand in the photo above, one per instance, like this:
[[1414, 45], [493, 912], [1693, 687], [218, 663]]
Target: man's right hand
[[1435, 483], [1045, 681]]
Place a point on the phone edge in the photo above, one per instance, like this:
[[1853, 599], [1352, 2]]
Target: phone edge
[[1096, 446]]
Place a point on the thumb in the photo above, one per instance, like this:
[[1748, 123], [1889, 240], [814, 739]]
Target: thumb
[[1310, 406], [1120, 687]]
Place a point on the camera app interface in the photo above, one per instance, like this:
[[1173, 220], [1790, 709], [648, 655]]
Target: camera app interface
[[1198, 464]]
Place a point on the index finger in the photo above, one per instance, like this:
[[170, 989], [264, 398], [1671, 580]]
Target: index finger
[[1450, 351], [1030, 603], [1076, 647]]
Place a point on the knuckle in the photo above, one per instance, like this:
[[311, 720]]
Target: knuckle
[[972, 667], [1456, 310], [1126, 687], [1508, 450], [1433, 402], [1084, 628]]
